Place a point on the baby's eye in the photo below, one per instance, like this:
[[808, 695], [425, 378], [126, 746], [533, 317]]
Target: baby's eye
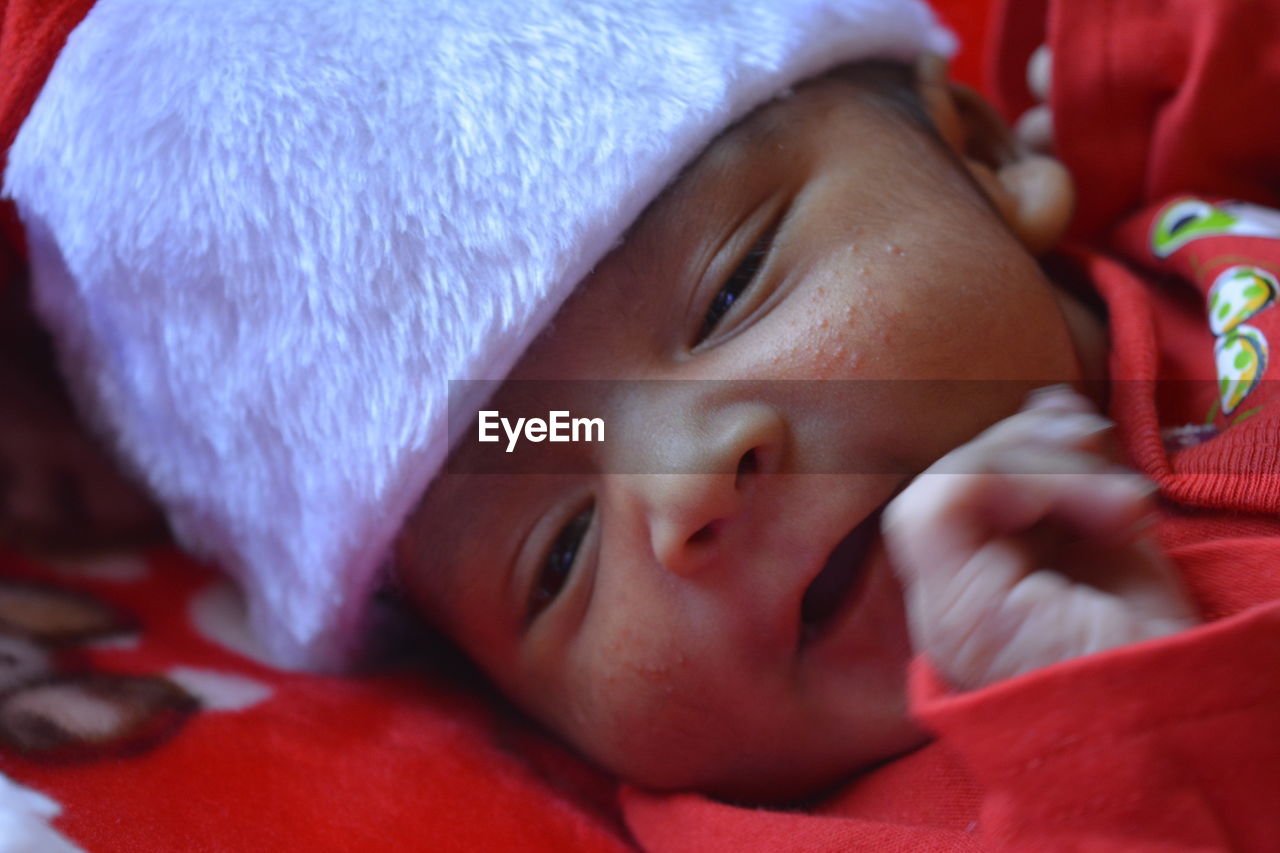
[[736, 285], [558, 564]]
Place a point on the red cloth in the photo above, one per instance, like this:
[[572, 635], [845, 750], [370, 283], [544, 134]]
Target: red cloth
[[1169, 745], [31, 34], [1155, 91]]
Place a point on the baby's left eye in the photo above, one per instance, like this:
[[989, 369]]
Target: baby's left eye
[[556, 567], [738, 282]]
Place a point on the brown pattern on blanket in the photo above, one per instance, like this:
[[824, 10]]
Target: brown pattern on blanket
[[55, 709]]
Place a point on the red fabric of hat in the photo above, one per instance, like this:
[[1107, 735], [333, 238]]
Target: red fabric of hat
[[31, 34]]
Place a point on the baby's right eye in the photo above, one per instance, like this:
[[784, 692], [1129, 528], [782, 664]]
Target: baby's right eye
[[558, 564], [739, 280]]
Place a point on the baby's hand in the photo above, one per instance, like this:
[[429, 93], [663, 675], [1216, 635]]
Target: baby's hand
[[1026, 547]]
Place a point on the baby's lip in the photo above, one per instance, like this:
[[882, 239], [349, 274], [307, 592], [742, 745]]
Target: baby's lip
[[839, 584]]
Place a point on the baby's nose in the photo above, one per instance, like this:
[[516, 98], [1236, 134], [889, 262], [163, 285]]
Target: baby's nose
[[712, 463]]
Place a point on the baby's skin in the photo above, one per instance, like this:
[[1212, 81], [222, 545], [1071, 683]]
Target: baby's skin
[[706, 600]]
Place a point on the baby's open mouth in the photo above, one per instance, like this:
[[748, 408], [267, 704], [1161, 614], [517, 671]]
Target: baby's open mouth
[[839, 582]]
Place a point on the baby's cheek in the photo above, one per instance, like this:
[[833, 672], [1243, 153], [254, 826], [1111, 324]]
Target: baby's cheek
[[858, 314], [650, 712], [822, 337], [631, 676]]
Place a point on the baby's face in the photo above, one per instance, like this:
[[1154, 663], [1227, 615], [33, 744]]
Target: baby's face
[[703, 600]]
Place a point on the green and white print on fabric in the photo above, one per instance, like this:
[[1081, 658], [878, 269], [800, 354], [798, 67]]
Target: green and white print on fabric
[[1237, 294], [1193, 218], [1241, 357], [1239, 351]]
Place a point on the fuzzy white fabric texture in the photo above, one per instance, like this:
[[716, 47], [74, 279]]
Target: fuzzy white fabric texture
[[265, 233], [25, 818]]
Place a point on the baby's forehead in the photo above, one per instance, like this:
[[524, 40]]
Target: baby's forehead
[[747, 150], [769, 137], [762, 133]]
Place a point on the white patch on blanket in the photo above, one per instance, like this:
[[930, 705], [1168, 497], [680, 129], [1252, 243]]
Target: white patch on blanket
[[121, 568], [220, 691], [24, 821], [267, 235], [218, 613]]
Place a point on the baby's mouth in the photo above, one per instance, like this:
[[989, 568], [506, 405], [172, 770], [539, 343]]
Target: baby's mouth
[[839, 582]]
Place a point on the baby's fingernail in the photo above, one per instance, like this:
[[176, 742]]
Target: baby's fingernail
[[1073, 427], [1061, 396]]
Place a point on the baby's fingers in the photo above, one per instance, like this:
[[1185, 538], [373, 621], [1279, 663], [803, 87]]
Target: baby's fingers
[[1016, 619], [1025, 547], [952, 510]]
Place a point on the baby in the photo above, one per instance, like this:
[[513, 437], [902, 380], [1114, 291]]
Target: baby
[[709, 600], [847, 416]]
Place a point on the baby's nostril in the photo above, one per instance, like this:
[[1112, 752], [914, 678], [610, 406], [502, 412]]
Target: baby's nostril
[[748, 464], [702, 534]]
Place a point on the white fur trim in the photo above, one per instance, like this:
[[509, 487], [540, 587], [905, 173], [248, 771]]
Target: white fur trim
[[266, 233]]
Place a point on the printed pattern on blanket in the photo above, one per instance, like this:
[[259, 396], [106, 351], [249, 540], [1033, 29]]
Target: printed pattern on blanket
[[131, 697]]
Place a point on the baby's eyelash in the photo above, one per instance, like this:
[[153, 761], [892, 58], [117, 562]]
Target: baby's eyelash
[[553, 574], [739, 280]]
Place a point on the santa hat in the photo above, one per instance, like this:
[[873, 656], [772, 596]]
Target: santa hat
[[266, 234]]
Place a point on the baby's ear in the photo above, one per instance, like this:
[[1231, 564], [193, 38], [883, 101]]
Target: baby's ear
[[1034, 193]]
